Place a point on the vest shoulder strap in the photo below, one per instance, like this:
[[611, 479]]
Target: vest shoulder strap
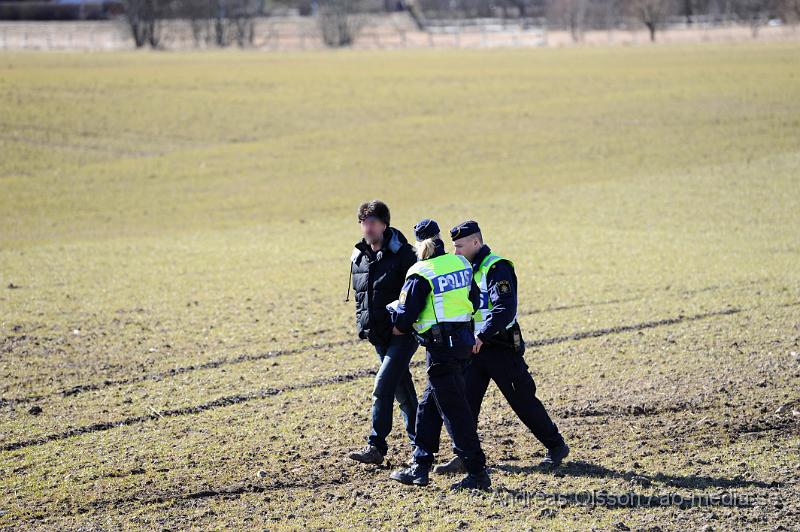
[[492, 259], [466, 262], [423, 268]]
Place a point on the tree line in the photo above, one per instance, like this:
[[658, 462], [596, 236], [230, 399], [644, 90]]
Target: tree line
[[232, 22]]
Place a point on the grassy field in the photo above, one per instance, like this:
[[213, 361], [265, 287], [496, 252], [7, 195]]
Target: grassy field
[[174, 237]]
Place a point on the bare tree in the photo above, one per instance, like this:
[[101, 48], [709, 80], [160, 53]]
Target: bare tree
[[688, 10], [790, 10], [222, 22], [144, 19], [601, 14], [339, 22], [522, 7], [242, 17], [571, 14], [414, 10], [652, 13], [755, 12]]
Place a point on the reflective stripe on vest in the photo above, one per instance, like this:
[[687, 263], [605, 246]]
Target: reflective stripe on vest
[[482, 314], [450, 277]]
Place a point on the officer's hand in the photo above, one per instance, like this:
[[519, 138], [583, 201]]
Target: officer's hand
[[397, 332], [477, 346]]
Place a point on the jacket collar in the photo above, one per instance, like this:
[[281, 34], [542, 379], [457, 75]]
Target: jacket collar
[[481, 255], [393, 240], [438, 250]]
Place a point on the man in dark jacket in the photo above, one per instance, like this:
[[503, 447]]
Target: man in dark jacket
[[378, 268]]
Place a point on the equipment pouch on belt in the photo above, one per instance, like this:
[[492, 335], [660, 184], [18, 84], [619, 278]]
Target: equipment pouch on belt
[[443, 334], [437, 336], [511, 337], [516, 339]]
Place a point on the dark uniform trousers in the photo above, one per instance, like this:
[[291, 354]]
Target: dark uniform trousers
[[510, 372], [444, 401]]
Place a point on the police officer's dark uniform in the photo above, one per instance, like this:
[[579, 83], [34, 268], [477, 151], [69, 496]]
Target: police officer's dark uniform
[[448, 348], [500, 358]]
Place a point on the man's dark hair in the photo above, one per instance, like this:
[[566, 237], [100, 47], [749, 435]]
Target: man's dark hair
[[375, 209]]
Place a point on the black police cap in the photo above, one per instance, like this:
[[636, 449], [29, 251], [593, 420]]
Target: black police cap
[[464, 229], [425, 229]]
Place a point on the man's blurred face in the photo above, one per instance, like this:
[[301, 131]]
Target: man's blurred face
[[372, 230], [467, 246]]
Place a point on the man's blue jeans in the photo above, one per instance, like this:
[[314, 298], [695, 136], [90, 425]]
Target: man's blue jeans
[[393, 381]]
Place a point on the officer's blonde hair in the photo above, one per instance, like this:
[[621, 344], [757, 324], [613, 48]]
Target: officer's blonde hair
[[426, 248]]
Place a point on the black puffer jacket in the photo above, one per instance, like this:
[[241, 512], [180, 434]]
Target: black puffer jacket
[[377, 280]]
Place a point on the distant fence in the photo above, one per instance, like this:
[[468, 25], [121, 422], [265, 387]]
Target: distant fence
[[57, 35], [377, 31]]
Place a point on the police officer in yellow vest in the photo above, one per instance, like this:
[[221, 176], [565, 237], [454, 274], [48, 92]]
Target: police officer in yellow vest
[[499, 347], [436, 304]]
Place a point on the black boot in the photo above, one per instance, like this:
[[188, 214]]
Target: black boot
[[416, 475], [554, 457], [473, 481]]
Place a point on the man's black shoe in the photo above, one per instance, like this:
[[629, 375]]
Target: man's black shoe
[[416, 475]]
